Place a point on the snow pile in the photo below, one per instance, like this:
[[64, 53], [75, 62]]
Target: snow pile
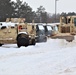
[[55, 57]]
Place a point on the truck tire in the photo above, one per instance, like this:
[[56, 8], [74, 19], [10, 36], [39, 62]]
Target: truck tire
[[18, 45], [22, 42], [1, 45], [69, 40]]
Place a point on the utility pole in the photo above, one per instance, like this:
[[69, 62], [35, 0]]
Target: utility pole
[[55, 9]]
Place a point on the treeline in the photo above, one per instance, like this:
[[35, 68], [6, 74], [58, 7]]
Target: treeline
[[52, 17], [20, 9]]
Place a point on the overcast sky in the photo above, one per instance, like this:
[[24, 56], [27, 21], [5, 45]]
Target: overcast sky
[[49, 5]]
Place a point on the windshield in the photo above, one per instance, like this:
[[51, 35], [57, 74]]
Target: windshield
[[41, 27], [75, 21], [64, 20], [56, 29], [49, 28]]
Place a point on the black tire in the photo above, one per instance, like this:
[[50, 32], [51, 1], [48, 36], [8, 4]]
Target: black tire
[[1, 45], [22, 42], [18, 45], [69, 40]]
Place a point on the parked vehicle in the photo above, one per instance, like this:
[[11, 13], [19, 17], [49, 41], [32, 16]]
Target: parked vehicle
[[22, 34], [40, 33], [8, 34], [67, 28], [48, 30], [55, 30], [67, 24]]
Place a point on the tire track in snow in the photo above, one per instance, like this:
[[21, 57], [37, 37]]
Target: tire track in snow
[[19, 54]]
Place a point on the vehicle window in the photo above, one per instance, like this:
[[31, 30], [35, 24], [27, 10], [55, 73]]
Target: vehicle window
[[75, 21], [41, 27], [49, 28], [64, 20], [56, 28], [69, 20], [32, 27]]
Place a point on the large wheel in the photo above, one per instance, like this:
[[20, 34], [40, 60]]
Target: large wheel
[[22, 42], [18, 45], [1, 45]]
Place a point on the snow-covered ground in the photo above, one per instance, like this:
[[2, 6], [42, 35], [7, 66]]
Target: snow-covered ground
[[55, 57]]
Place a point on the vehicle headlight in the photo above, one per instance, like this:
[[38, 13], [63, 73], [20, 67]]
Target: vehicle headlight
[[29, 36]]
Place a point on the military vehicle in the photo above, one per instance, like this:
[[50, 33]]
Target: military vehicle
[[67, 28], [8, 34], [23, 34], [67, 24]]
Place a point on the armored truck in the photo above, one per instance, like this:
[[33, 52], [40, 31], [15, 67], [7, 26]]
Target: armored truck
[[67, 28], [8, 33], [22, 34], [67, 24]]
